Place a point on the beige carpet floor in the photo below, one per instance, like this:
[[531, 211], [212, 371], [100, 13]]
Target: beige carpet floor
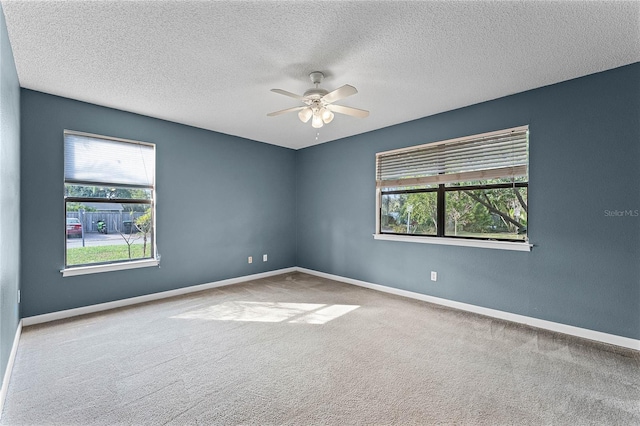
[[301, 350]]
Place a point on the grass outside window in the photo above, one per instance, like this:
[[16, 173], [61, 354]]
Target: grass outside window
[[104, 254]]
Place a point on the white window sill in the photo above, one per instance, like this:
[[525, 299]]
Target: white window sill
[[500, 245], [95, 269]]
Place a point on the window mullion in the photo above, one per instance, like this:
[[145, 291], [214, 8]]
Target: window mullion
[[440, 211]]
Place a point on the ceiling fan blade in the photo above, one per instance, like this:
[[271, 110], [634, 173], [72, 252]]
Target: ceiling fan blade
[[291, 95], [339, 93], [348, 110], [284, 111]]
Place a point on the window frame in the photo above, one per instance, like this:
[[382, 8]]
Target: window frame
[[441, 189], [123, 264]]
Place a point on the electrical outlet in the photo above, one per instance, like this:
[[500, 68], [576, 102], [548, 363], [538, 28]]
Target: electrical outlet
[[434, 276], [250, 260], [264, 257]]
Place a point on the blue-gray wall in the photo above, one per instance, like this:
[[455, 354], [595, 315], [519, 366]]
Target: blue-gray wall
[[220, 199], [584, 159], [9, 196]]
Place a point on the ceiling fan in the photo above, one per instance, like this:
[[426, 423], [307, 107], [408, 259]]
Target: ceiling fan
[[319, 107]]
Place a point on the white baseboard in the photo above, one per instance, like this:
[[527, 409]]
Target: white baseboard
[[584, 333], [9, 369], [53, 316], [521, 319]]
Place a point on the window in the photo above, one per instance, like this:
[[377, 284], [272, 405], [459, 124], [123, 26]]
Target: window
[[472, 188], [109, 202]]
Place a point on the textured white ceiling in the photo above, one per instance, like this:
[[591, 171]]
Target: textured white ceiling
[[211, 64]]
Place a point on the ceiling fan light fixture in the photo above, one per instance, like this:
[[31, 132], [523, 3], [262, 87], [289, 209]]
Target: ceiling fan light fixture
[[305, 115], [316, 122], [327, 116]]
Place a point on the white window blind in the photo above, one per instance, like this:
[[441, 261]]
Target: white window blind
[[94, 160], [501, 154]]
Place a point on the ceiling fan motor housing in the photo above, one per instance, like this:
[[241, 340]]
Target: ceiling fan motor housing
[[316, 93]]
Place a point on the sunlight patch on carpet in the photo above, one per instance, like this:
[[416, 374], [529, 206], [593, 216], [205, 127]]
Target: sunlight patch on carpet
[[296, 313]]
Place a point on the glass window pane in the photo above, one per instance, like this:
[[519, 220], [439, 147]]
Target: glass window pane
[[104, 235], [409, 213], [517, 179], [487, 213]]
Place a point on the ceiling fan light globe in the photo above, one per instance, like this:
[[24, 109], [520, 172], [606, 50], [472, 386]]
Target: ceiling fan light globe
[[327, 116], [305, 115], [316, 123]]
